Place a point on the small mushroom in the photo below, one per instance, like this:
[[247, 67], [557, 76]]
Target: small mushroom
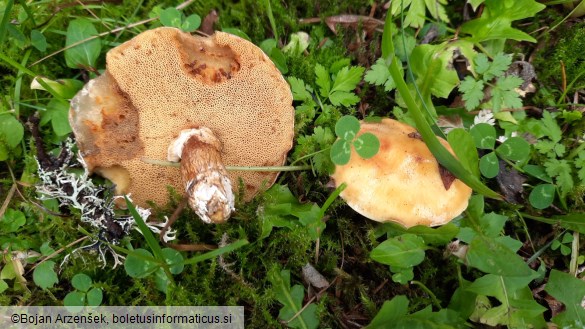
[[403, 182], [209, 101]]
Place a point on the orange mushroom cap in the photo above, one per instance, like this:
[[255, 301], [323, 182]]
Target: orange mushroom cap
[[402, 182]]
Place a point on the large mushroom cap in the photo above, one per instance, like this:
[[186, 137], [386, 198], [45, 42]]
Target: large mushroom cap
[[402, 182], [163, 81]]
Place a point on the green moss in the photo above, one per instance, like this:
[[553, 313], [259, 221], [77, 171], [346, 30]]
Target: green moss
[[569, 51]]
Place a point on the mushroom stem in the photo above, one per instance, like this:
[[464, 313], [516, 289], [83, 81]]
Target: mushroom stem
[[204, 176]]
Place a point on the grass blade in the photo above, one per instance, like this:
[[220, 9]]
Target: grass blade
[[150, 239], [443, 156], [217, 252]]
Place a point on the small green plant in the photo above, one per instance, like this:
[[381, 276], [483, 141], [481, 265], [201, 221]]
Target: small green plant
[[563, 244], [85, 293], [501, 87], [293, 312], [282, 209], [405, 248], [83, 46], [513, 149], [174, 18], [346, 129], [140, 263], [44, 274]]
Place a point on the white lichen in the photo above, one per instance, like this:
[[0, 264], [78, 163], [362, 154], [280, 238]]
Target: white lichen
[[95, 203]]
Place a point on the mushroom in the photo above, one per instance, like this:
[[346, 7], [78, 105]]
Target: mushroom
[[209, 101], [403, 182]]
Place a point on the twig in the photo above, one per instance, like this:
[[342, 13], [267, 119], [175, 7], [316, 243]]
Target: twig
[[58, 251], [310, 301], [177, 246], [8, 198]]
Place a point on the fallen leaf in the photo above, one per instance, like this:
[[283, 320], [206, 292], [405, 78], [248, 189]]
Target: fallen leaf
[[313, 277]]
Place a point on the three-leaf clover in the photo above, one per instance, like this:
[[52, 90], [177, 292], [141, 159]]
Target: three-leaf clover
[[84, 294], [346, 129], [174, 18]]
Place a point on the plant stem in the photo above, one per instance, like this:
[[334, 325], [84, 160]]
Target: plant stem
[[234, 168], [428, 291], [574, 254], [576, 151], [309, 155]]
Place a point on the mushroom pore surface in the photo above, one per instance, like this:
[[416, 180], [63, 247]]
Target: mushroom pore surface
[[163, 81], [402, 182]]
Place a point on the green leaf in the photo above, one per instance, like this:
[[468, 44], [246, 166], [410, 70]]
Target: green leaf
[[551, 127], [174, 259], [279, 60], [484, 136], [489, 165], [562, 172], [475, 3], [504, 95], [570, 291], [94, 297], [537, 172], [61, 88], [463, 145], [140, 263], [81, 282], [12, 220], [58, 114], [496, 20], [343, 98], [347, 127], [415, 16], [340, 152], [403, 251], [378, 73], [405, 43], [323, 80], [86, 53], [38, 40], [366, 145], [171, 17], [518, 308], [497, 67], [44, 275], [74, 298], [11, 130], [292, 300], [580, 164], [3, 286], [347, 78], [542, 196], [438, 236], [514, 148], [191, 23], [299, 89], [472, 92], [434, 69], [490, 256], [391, 311], [237, 32]]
